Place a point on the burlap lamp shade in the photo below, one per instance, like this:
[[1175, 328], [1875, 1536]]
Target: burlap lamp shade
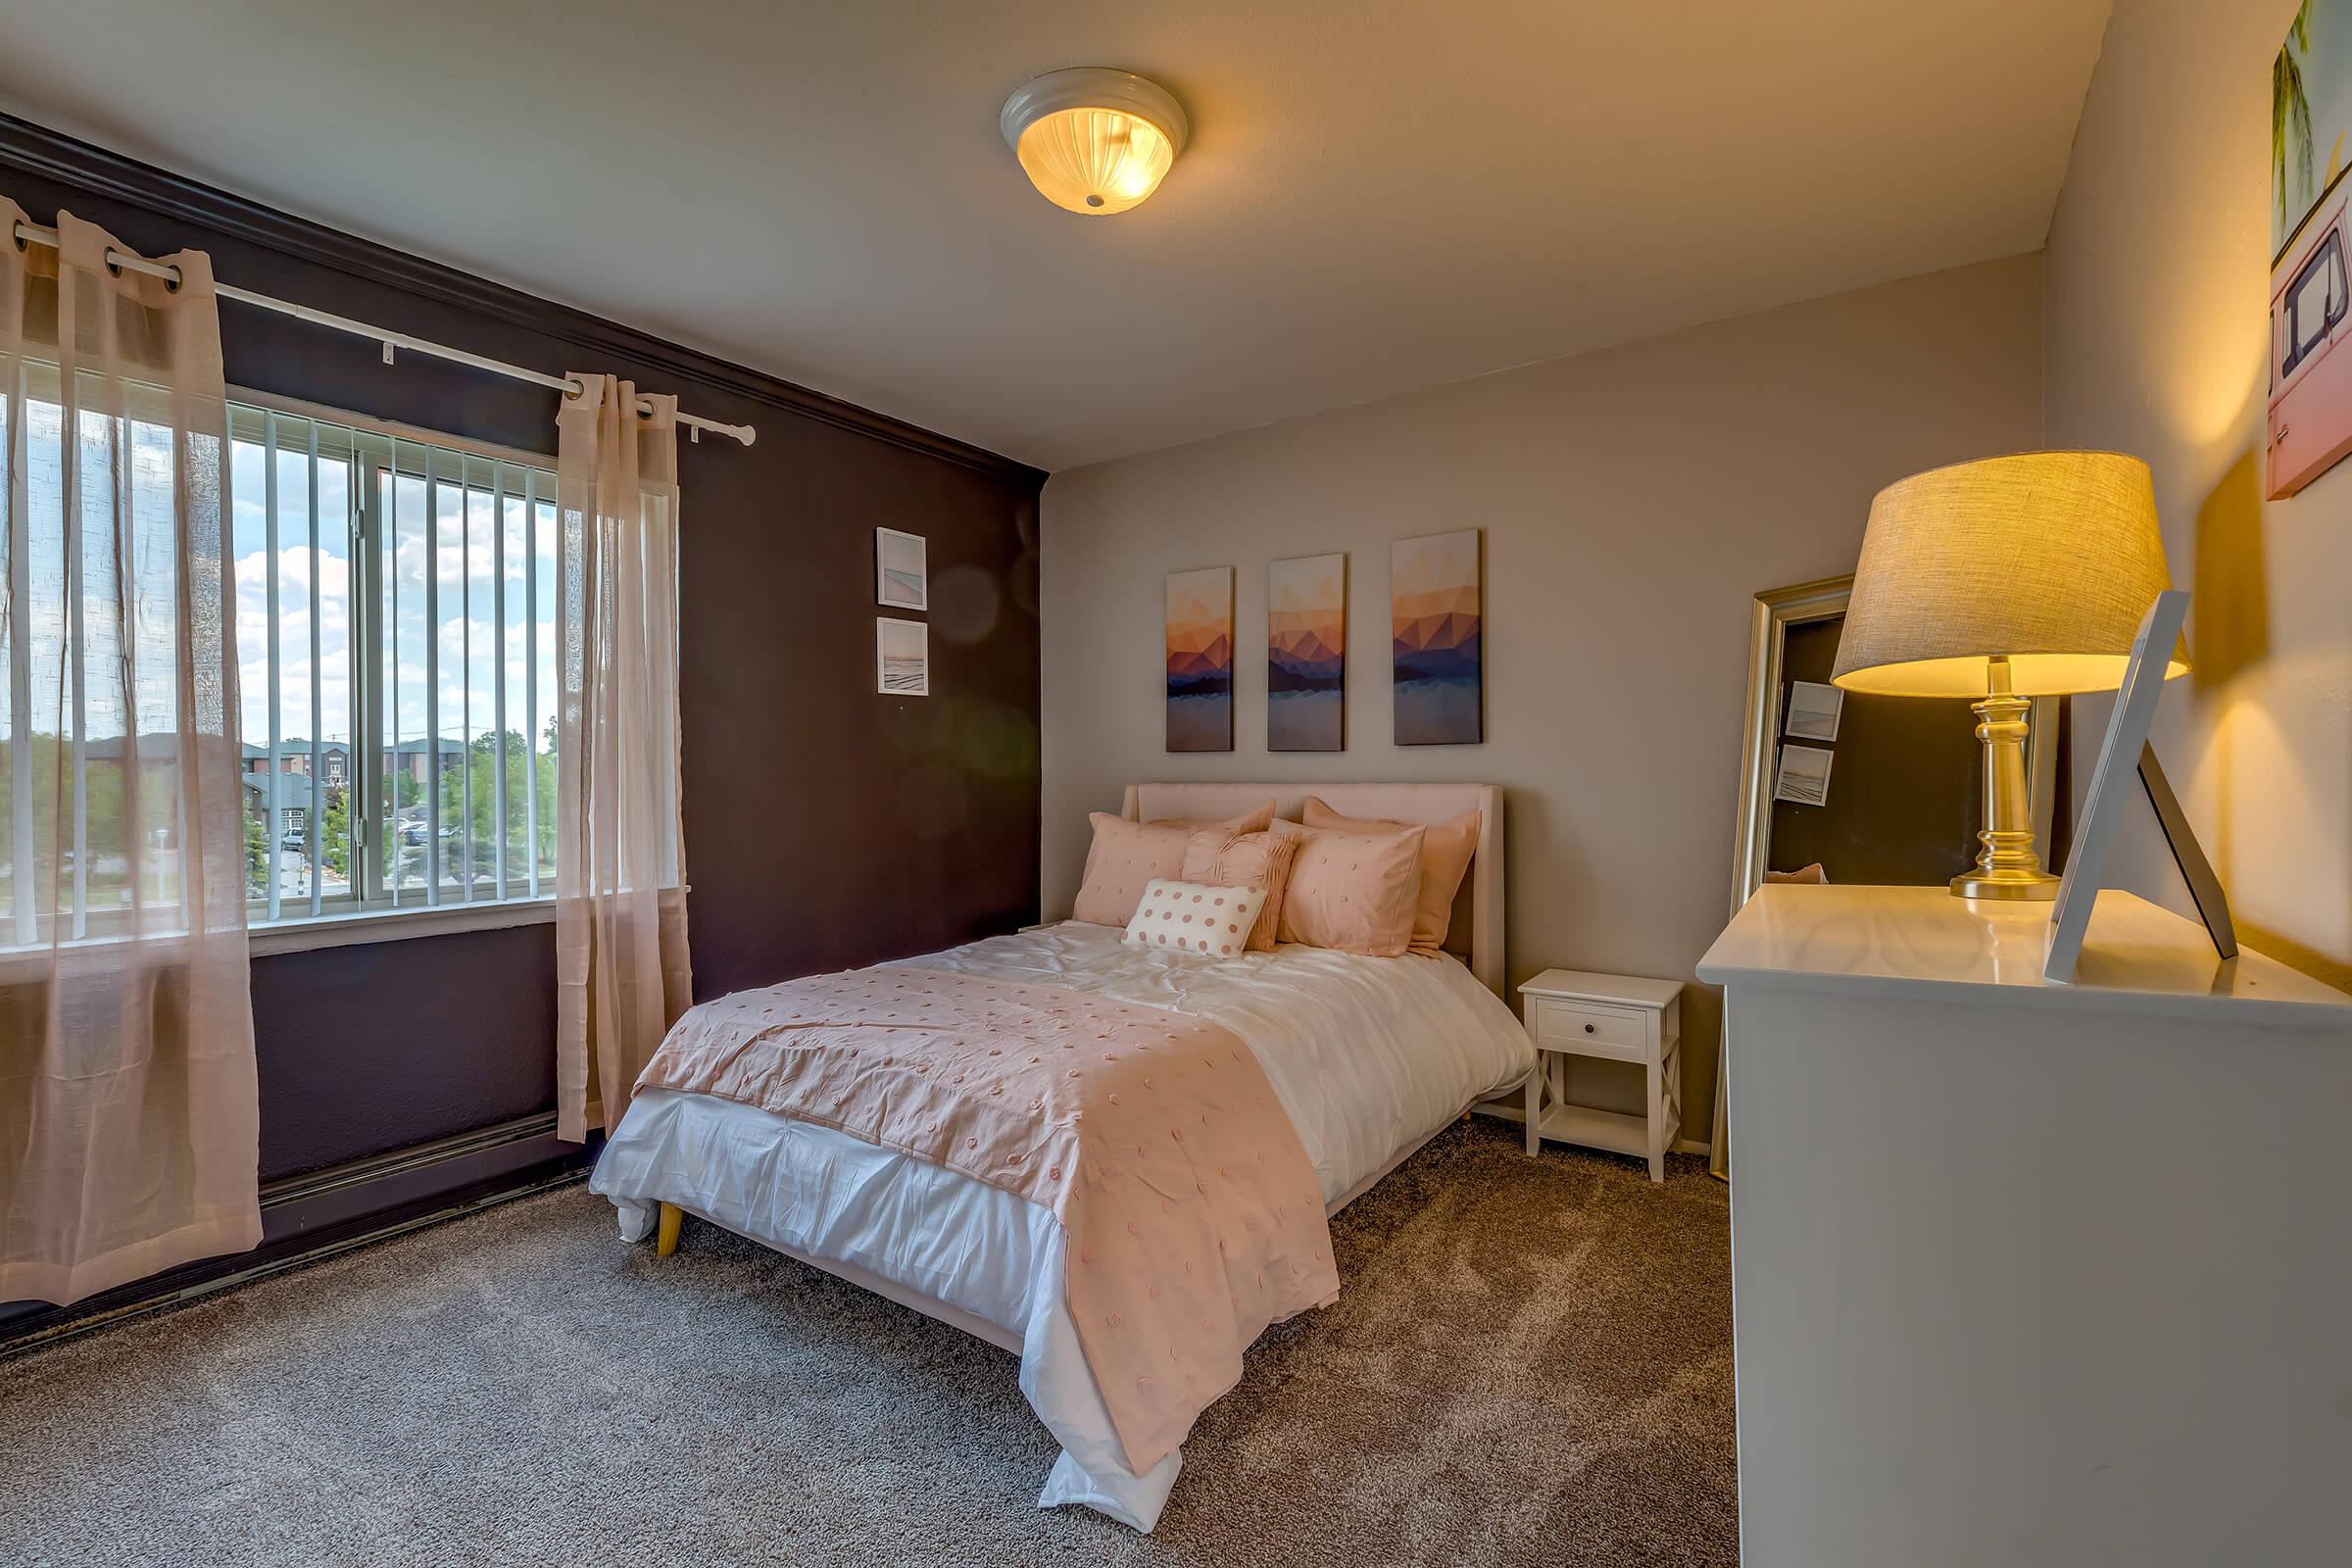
[[2048, 558]]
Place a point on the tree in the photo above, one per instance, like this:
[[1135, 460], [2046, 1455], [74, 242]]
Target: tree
[[338, 830], [469, 801], [2291, 113]]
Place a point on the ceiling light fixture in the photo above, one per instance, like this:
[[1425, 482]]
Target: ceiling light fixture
[[1093, 140]]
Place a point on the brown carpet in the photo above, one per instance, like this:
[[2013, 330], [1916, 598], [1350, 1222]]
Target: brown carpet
[[1530, 1363]]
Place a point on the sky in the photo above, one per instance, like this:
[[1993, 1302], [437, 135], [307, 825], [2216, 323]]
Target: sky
[[474, 544], [465, 630]]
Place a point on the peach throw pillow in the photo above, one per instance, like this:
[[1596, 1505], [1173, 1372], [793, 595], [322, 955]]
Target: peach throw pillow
[[1125, 858], [1256, 821], [1352, 892], [1259, 861], [1445, 852]]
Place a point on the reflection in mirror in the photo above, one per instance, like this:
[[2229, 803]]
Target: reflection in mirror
[[1856, 788]]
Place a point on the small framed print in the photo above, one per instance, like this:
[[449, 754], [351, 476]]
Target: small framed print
[[1814, 711], [901, 658], [902, 579], [1804, 776]]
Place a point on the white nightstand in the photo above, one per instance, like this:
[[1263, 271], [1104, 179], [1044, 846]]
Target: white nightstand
[[1620, 1019]]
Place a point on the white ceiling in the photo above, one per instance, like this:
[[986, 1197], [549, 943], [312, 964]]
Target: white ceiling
[[1378, 194]]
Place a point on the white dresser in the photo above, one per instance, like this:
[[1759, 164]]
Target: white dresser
[[2034, 1274]]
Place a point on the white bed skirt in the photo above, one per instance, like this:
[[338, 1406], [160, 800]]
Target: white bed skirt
[[920, 1234]]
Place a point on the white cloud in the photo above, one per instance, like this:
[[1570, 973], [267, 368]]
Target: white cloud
[[466, 640], [294, 600]]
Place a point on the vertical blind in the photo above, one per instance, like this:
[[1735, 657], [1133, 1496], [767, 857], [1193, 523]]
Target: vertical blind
[[397, 602], [397, 612]]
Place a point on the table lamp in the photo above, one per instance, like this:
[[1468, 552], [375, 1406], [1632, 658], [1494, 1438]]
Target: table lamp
[[2005, 580]]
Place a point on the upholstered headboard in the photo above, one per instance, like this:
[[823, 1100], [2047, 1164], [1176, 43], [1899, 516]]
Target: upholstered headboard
[[1476, 934]]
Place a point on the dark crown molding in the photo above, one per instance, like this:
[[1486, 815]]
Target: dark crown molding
[[37, 150]]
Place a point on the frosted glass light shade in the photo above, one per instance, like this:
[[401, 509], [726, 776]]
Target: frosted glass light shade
[[1094, 141], [2050, 558], [1095, 161]]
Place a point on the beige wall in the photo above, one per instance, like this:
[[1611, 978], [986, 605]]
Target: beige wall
[[2156, 341], [1634, 500]]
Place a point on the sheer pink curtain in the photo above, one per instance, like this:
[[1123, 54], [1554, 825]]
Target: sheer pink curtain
[[128, 1109], [621, 966]]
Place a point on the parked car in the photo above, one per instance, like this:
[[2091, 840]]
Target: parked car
[[294, 844], [2311, 370]]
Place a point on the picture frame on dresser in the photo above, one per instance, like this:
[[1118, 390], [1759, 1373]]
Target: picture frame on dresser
[[2126, 750]]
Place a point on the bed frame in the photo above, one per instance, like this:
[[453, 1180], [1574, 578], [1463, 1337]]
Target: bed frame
[[1475, 936]]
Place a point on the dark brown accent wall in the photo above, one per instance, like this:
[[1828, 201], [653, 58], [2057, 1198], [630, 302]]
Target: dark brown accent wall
[[826, 826]]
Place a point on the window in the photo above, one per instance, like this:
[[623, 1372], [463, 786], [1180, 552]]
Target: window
[[2315, 302], [396, 631]]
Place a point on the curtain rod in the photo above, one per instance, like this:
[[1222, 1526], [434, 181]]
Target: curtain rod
[[388, 338]]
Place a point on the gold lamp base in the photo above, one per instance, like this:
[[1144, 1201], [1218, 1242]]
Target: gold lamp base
[[2008, 867], [2009, 883]]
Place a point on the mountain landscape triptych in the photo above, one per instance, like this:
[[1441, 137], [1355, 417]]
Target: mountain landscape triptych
[[1435, 599]]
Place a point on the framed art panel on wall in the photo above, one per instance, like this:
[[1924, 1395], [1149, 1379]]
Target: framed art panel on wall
[[1199, 660], [1435, 606], [901, 658], [2311, 249], [1306, 654], [902, 578]]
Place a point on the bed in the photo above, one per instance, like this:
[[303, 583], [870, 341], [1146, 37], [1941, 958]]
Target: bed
[[1368, 1060]]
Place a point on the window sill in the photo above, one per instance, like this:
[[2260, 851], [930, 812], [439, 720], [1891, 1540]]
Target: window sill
[[263, 938]]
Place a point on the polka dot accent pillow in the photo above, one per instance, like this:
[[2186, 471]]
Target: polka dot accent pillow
[[1194, 918]]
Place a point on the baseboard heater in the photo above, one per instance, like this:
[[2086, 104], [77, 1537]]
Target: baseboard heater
[[322, 1213], [312, 1184]]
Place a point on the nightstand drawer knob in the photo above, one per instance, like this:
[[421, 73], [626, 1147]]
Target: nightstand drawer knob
[[1589, 1029]]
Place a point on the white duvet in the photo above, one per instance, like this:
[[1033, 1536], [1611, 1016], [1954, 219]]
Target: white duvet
[[1368, 1055]]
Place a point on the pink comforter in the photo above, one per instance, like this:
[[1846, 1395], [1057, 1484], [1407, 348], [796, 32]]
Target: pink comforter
[[1193, 1212]]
